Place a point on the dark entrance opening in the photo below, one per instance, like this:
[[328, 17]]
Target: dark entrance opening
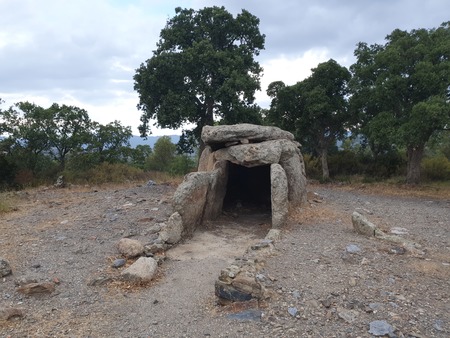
[[248, 189]]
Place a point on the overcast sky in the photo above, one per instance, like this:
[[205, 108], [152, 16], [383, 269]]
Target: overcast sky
[[85, 52]]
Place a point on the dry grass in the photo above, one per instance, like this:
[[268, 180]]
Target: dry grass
[[8, 203], [428, 190]]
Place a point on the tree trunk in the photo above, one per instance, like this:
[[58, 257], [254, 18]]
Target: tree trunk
[[324, 159], [415, 155]]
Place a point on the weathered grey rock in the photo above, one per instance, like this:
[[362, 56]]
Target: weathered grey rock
[[5, 267], [296, 179], [143, 270], [151, 249], [190, 198], [130, 247], [352, 248], [247, 284], [247, 315], [273, 235], [292, 311], [228, 292], [37, 288], [362, 225], [381, 328], [230, 133], [347, 315], [60, 183], [217, 191], [253, 154], [206, 162], [171, 233], [279, 195], [119, 263]]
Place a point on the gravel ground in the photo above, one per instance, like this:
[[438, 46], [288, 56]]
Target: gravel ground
[[325, 279]]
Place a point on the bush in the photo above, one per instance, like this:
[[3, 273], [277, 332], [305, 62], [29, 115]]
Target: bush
[[436, 168], [313, 167]]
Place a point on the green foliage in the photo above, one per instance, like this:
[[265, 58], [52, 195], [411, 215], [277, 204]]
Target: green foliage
[[400, 90], [436, 168], [315, 110], [162, 156], [42, 141], [182, 164], [110, 142], [312, 167], [203, 68], [138, 156]]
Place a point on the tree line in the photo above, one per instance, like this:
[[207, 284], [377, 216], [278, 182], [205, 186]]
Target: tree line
[[378, 118], [41, 143], [393, 100]]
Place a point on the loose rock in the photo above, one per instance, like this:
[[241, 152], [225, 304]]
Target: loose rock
[[142, 270], [381, 328], [130, 247], [5, 268]]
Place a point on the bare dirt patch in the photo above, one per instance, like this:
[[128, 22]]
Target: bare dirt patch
[[319, 289]]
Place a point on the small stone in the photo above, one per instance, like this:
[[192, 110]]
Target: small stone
[[296, 294], [130, 247], [142, 270], [399, 231], [381, 328], [327, 302], [5, 268], [150, 183], [439, 325], [352, 248], [247, 316], [292, 311], [397, 250], [352, 281], [119, 263], [347, 315]]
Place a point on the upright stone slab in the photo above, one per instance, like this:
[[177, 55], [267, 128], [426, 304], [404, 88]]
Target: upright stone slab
[[190, 198], [217, 191], [279, 198]]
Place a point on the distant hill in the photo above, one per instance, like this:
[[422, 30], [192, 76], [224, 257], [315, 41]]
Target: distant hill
[[137, 140], [151, 140]]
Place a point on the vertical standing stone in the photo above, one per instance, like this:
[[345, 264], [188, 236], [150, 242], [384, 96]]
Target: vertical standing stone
[[279, 192]]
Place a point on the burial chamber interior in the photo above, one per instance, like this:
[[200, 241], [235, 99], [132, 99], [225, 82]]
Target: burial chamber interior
[[248, 189]]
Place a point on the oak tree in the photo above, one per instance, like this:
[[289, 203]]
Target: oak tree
[[401, 91], [203, 70]]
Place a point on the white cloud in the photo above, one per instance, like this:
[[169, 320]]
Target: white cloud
[[85, 52], [289, 69]]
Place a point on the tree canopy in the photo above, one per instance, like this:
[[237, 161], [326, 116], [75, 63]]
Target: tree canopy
[[315, 109], [203, 69], [401, 91]]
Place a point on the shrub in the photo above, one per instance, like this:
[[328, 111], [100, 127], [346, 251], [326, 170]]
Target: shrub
[[313, 167], [436, 168]]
